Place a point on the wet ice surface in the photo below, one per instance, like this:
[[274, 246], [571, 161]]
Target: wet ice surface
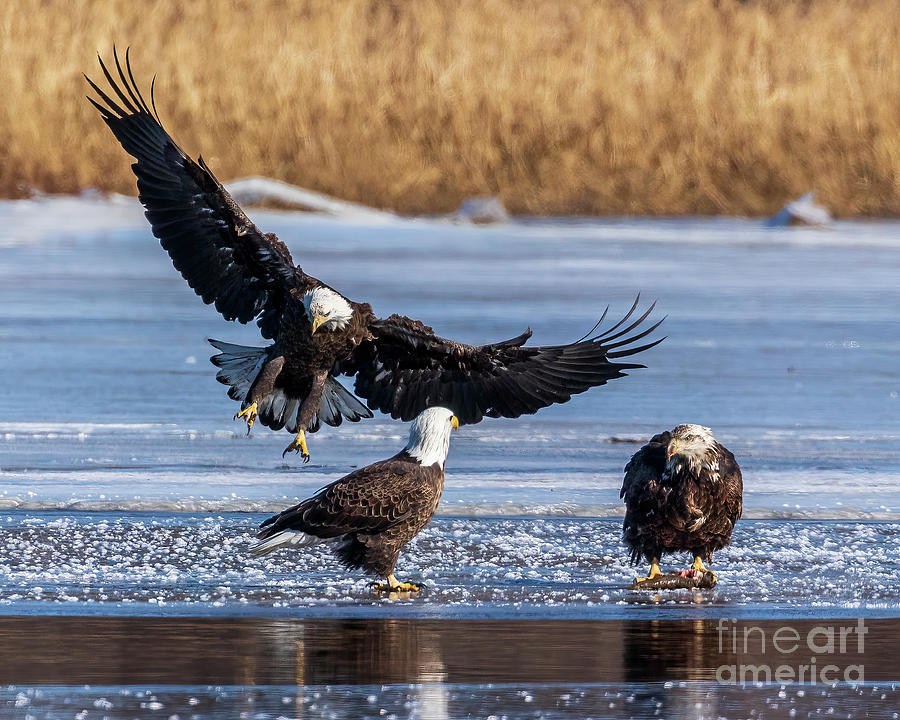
[[111, 404], [444, 701], [784, 341], [472, 567]]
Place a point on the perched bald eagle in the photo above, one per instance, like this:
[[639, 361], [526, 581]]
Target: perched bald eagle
[[401, 366], [683, 491], [372, 513]]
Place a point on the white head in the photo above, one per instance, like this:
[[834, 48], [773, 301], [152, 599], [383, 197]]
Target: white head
[[429, 435], [692, 448], [326, 309]]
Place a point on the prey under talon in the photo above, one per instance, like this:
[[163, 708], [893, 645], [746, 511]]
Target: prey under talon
[[298, 444], [251, 412], [698, 565]]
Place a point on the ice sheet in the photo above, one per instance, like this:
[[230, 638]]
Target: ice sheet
[[153, 563], [784, 341]]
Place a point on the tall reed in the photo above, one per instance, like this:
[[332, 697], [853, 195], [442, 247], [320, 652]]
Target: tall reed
[[577, 106]]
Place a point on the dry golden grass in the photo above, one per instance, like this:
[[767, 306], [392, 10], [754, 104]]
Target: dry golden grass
[[562, 107]]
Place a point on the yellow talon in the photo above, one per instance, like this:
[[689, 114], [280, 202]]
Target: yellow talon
[[655, 572], [406, 587], [698, 565], [251, 412], [298, 444], [394, 585]]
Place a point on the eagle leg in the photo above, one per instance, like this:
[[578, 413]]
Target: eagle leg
[[250, 411], [394, 585], [698, 565], [655, 572], [298, 444]]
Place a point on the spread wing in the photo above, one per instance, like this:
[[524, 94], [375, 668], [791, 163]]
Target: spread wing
[[223, 256], [369, 500], [406, 368]]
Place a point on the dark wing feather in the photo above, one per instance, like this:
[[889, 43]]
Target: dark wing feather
[[406, 368], [733, 504], [646, 464], [641, 490], [369, 500], [223, 256]]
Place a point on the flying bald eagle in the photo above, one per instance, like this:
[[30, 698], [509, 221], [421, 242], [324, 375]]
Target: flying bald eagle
[[372, 513], [401, 366], [683, 491]]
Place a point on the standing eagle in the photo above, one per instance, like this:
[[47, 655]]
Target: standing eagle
[[683, 491], [401, 366], [372, 513]]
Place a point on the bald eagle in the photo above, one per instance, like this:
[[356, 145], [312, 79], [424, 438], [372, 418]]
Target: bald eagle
[[683, 491], [401, 366], [372, 513]]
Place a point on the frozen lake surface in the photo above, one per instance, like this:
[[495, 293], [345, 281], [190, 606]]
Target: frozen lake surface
[[527, 567], [128, 497], [445, 702], [440, 701], [784, 341]]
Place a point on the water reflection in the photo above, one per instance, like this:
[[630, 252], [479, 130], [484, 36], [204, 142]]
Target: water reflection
[[430, 653], [655, 649]]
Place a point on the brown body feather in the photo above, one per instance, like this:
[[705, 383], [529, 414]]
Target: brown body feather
[[685, 506], [401, 366], [310, 359], [371, 514]]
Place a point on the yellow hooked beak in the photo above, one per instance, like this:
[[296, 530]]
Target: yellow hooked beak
[[454, 422], [674, 447], [318, 321]]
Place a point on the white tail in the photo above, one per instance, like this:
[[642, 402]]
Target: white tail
[[285, 538]]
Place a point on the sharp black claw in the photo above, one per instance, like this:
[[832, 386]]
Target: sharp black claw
[[306, 458], [284, 454]]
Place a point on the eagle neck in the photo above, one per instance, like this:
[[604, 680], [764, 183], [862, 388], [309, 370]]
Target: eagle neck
[[429, 444], [701, 462]]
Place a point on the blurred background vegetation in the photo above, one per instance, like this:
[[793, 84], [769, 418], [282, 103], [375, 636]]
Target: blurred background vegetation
[[573, 107]]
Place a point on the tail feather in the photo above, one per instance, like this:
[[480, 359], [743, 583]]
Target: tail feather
[[292, 406], [240, 366], [264, 408], [279, 403], [344, 402], [328, 413], [337, 403], [284, 538]]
